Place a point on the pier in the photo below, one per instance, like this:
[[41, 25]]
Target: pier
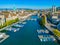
[[22, 19], [3, 37]]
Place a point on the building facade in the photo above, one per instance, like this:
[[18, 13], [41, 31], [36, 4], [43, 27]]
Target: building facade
[[2, 19]]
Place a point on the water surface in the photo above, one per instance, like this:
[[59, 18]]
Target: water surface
[[27, 35]]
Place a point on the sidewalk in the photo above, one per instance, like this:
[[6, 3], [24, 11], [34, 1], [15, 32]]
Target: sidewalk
[[48, 26]]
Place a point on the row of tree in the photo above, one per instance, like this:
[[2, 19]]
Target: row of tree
[[56, 32], [43, 21]]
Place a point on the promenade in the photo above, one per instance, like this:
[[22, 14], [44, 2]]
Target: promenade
[[48, 26]]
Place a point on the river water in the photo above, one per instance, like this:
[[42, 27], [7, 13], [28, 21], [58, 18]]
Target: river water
[[27, 35]]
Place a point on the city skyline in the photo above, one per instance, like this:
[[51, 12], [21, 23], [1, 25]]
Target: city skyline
[[32, 4]]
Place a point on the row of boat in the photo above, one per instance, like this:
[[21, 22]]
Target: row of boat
[[3, 37], [32, 19], [44, 36], [16, 27]]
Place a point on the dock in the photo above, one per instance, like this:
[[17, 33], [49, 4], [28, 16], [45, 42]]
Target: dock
[[24, 22], [3, 37], [44, 35], [12, 29], [46, 38], [42, 31]]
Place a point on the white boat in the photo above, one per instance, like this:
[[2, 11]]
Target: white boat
[[48, 38], [9, 28], [40, 31], [46, 31], [24, 23], [13, 29], [17, 25]]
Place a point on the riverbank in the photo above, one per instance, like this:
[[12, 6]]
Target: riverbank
[[21, 19], [27, 35], [48, 26]]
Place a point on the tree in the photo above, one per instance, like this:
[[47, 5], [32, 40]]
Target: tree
[[43, 21], [56, 32]]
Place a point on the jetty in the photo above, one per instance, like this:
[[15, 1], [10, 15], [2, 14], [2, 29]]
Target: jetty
[[3, 37], [44, 35], [46, 38]]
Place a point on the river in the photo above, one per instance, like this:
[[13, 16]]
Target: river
[[27, 35]]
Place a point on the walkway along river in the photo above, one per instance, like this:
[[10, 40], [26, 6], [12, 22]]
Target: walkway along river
[[27, 35]]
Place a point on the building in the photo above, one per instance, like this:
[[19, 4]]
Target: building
[[2, 19], [53, 9], [11, 16], [6, 16], [55, 15]]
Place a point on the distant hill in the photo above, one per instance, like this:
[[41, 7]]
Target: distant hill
[[16, 8]]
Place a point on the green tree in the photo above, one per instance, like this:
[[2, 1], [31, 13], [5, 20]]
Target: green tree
[[43, 21]]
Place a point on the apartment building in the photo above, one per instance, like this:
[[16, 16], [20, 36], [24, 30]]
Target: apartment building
[[2, 19]]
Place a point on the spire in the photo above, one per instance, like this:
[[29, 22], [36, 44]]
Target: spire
[[14, 8], [53, 6]]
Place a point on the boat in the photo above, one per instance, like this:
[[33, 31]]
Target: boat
[[13, 29], [46, 38], [17, 25], [24, 23]]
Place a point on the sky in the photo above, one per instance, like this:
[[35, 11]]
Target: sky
[[33, 4]]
